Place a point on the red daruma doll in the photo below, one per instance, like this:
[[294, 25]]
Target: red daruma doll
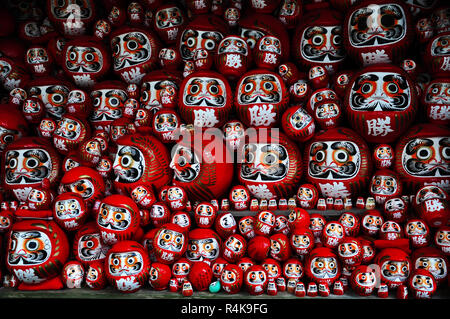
[[118, 219], [37, 252], [127, 266], [170, 243]]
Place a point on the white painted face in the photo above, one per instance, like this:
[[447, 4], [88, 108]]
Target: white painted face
[[205, 92], [185, 164], [129, 164], [376, 25], [170, 240], [68, 209], [256, 277], [415, 228], [259, 88], [130, 49], [27, 166], [438, 93], [324, 267], [427, 157], [68, 128], [300, 119], [384, 185], [348, 249], [380, 91], [436, 265], [322, 44], [441, 46], [334, 160], [113, 217], [125, 264], [422, 283], [227, 221], [264, 162], [81, 59], [233, 45], [29, 248]]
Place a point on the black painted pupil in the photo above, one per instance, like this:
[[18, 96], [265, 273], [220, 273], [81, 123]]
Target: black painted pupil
[[387, 20]]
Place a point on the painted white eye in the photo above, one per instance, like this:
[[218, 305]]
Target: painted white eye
[[72, 56], [424, 153], [190, 42], [32, 245], [210, 45], [89, 57], [366, 88], [248, 87], [132, 45], [317, 40], [341, 156], [114, 101], [320, 156]]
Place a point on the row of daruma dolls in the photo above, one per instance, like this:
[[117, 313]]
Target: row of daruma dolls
[[118, 243]]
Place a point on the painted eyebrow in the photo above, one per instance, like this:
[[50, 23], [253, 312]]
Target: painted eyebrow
[[416, 142], [315, 30], [445, 141]]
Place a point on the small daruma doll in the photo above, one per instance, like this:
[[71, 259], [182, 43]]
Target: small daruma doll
[[383, 156], [231, 279], [127, 266], [431, 204], [256, 280], [422, 157], [264, 223], [377, 32], [267, 52], [233, 57], [118, 219], [385, 184], [73, 274], [234, 248], [70, 17], [205, 214], [271, 165], [169, 243], [261, 98], [418, 233], [338, 163], [240, 197], [381, 103], [298, 124], [204, 246], [395, 266], [69, 211], [350, 252], [364, 280], [436, 100], [134, 53], [322, 266], [37, 252], [422, 284]]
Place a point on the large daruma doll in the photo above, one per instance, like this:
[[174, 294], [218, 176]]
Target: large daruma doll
[[37, 252], [377, 32], [261, 98], [26, 163], [318, 40], [270, 166], [338, 163], [422, 157], [140, 160], [134, 53], [202, 166], [381, 103], [206, 99]]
